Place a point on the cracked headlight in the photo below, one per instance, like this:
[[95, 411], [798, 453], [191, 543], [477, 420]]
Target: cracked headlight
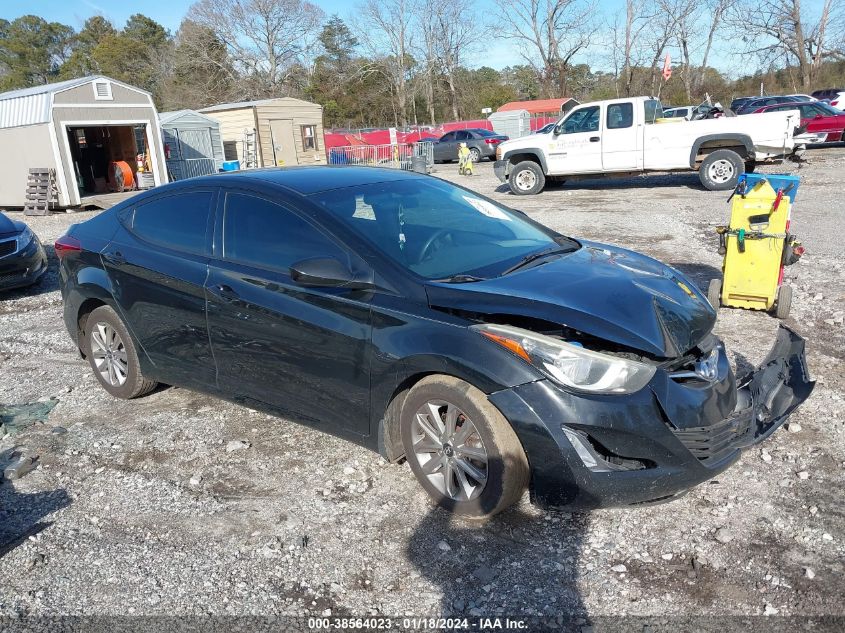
[[571, 365]]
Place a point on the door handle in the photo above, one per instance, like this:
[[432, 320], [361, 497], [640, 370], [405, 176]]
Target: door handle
[[595, 139], [114, 257], [225, 292]]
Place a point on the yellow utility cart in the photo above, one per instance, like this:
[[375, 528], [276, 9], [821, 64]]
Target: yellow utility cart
[[757, 245]]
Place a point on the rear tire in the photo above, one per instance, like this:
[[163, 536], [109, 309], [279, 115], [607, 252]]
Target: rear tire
[[721, 170], [527, 178], [474, 154], [112, 355], [714, 293], [468, 438], [784, 302]]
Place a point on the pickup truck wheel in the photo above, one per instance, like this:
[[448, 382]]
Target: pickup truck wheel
[[721, 170], [527, 178]]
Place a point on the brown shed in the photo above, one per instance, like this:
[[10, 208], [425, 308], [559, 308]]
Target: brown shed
[[271, 132]]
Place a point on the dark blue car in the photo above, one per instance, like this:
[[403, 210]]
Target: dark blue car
[[426, 322], [22, 257]]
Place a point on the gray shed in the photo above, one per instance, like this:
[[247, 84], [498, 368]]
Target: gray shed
[[85, 131], [192, 144], [513, 123]]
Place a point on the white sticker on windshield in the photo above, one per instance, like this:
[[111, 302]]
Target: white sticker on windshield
[[488, 209]]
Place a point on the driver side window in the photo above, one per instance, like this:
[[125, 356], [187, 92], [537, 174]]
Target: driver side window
[[583, 120]]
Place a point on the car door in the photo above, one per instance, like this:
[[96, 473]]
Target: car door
[[622, 140], [577, 148], [158, 263], [302, 350], [446, 147]]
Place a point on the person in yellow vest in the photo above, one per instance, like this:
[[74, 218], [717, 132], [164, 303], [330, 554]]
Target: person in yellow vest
[[465, 161]]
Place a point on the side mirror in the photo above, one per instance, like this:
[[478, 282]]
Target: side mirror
[[328, 272], [557, 129]]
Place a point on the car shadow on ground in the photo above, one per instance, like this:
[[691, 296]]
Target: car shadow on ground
[[689, 180], [494, 568], [21, 515]]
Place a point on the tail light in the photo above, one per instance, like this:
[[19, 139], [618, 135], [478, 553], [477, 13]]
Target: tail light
[[66, 245], [834, 103], [494, 141]]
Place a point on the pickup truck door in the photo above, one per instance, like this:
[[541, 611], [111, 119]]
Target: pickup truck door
[[622, 139], [577, 148]]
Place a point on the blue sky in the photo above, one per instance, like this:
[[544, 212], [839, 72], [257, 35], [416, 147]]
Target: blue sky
[[170, 13]]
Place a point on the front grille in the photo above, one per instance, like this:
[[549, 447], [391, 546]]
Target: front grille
[[8, 247], [711, 443]]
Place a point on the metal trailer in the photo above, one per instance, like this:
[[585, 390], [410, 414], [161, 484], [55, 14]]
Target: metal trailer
[[192, 144]]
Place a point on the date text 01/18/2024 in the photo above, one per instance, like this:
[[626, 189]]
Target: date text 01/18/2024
[[417, 624]]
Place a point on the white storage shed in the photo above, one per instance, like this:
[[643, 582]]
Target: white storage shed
[[80, 129]]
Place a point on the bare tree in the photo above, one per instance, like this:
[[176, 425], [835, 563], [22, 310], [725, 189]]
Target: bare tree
[[627, 42], [549, 34], [781, 31], [266, 39], [386, 28]]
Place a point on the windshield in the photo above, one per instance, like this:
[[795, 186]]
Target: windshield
[[437, 230], [826, 109]]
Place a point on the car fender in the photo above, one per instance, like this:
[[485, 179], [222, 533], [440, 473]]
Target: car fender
[[740, 139], [530, 151]]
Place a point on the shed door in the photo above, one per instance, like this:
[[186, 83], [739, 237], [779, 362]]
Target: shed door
[[284, 142], [197, 152]]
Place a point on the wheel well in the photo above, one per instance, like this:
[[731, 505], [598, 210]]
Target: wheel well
[[389, 432], [87, 307], [711, 146], [514, 159]]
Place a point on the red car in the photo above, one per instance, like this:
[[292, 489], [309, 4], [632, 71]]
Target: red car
[[818, 117]]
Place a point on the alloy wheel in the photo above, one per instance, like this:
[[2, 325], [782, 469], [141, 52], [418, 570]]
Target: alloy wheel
[[721, 171], [109, 354], [450, 451]]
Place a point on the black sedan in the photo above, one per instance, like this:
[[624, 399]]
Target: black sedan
[[426, 322], [753, 104], [481, 144], [22, 257]]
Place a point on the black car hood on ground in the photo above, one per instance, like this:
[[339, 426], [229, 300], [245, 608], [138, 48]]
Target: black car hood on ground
[[606, 292], [8, 227]]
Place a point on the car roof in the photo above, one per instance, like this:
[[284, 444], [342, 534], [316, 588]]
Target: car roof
[[307, 180]]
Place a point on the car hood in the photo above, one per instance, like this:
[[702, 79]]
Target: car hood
[[8, 227], [603, 291]]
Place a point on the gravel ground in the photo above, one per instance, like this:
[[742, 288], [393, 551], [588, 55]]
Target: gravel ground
[[139, 508]]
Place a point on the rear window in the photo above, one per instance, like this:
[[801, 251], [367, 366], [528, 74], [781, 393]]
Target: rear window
[[653, 110], [179, 221], [484, 132]]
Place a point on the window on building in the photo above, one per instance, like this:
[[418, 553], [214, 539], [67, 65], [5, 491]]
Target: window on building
[[309, 137]]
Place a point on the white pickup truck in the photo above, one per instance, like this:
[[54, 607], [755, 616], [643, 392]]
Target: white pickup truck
[[629, 136]]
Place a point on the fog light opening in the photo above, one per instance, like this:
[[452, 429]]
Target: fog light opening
[[599, 458]]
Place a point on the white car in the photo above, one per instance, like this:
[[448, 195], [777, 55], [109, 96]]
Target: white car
[[625, 136]]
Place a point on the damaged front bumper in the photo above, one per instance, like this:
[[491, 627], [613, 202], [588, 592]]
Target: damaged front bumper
[[591, 451]]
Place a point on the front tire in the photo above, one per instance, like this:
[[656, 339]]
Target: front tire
[[714, 293], [112, 355], [784, 302], [527, 178], [461, 448], [721, 170]]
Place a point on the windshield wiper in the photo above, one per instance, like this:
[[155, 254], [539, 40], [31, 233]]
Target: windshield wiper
[[460, 278], [533, 257]]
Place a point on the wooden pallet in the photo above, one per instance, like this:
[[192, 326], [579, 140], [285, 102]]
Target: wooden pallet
[[40, 191]]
